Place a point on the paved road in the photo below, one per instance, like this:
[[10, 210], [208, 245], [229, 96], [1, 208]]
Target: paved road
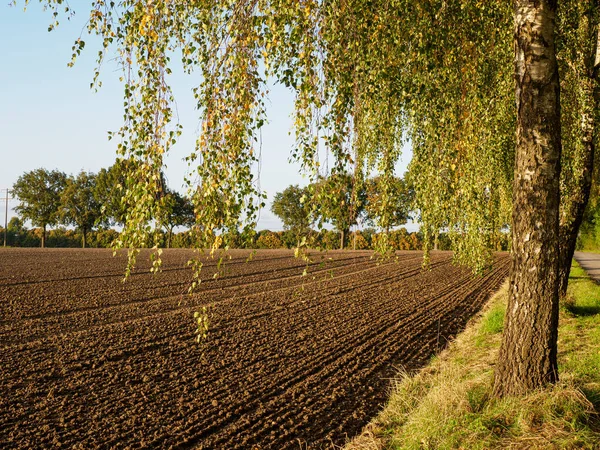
[[590, 262]]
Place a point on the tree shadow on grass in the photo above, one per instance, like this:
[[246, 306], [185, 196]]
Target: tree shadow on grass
[[584, 310]]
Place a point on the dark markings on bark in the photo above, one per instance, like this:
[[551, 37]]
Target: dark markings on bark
[[527, 357]]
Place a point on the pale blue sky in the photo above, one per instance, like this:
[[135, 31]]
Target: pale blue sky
[[50, 118]]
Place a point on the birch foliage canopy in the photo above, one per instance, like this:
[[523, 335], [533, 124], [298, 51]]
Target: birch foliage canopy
[[367, 75]]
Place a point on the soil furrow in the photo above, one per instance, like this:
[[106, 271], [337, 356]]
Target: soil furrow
[[87, 362]]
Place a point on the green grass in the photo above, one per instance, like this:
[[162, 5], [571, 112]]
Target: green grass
[[448, 405], [579, 338], [491, 323]]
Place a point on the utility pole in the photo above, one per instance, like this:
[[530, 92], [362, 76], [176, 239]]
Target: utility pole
[[5, 217]]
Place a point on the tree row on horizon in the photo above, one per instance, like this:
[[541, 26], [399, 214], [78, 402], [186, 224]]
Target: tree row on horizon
[[89, 200]]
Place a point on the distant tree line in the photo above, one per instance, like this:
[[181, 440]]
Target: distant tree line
[[343, 203], [82, 210], [366, 239], [20, 236], [90, 202]]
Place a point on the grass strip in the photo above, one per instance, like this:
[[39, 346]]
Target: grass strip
[[448, 405]]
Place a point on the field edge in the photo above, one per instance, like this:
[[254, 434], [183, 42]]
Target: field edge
[[447, 404]]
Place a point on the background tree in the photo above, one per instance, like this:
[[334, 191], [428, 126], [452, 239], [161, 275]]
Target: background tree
[[111, 185], [176, 211], [268, 239], [358, 241], [293, 207], [389, 210], [39, 193], [340, 202], [16, 232], [79, 204]]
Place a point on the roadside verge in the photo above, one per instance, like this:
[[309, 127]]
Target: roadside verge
[[447, 405]]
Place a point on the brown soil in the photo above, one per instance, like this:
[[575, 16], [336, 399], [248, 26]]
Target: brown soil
[[87, 361]]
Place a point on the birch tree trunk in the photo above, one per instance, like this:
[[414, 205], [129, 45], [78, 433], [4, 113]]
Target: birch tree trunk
[[527, 358], [579, 180]]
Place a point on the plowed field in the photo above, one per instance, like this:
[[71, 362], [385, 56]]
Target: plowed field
[[87, 361]]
